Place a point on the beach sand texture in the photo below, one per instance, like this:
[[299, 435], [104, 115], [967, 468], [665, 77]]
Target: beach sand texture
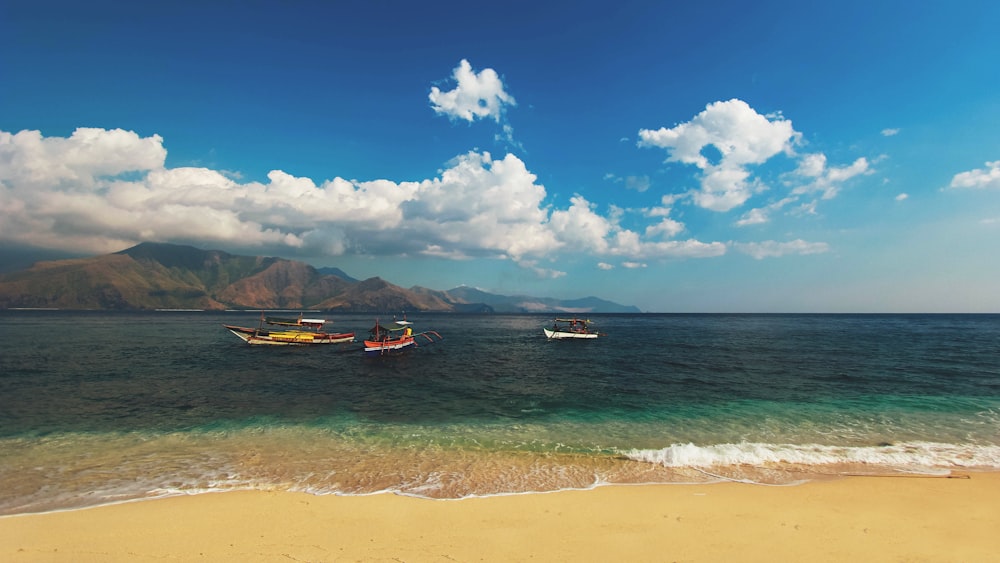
[[850, 519]]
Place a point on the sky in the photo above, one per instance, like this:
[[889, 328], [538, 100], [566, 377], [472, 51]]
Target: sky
[[676, 156]]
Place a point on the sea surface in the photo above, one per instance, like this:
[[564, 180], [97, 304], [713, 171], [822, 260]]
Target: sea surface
[[100, 407]]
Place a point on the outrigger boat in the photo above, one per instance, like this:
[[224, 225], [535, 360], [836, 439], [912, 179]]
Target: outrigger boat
[[570, 328], [382, 341], [293, 332]]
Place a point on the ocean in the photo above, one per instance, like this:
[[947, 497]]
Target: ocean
[[107, 407]]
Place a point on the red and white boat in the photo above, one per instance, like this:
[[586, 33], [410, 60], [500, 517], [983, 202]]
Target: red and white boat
[[395, 339]]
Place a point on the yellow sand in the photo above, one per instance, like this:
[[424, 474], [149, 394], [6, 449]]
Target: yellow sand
[[854, 519]]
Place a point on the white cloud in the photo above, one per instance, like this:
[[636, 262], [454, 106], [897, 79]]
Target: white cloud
[[807, 208], [75, 163], [483, 207], [633, 265], [753, 217], [827, 180], [761, 215], [580, 228], [890, 132], [844, 173], [605, 266], [727, 140], [541, 273], [101, 191], [476, 95], [902, 197], [637, 183], [666, 228], [741, 137], [812, 165], [774, 249], [980, 178], [690, 248]]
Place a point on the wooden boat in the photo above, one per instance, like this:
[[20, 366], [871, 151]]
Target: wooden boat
[[395, 339], [292, 332], [570, 328]]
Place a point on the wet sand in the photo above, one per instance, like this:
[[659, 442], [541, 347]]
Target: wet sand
[[850, 519]]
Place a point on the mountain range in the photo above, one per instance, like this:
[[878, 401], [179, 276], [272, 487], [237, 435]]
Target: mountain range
[[169, 276]]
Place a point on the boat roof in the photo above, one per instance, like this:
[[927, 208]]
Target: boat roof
[[298, 321], [573, 320]]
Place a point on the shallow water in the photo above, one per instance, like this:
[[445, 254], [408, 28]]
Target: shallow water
[[103, 407]]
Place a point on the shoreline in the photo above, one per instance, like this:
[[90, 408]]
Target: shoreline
[[870, 518]]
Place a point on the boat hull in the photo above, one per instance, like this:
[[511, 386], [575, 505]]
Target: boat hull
[[256, 337], [560, 335], [388, 347]]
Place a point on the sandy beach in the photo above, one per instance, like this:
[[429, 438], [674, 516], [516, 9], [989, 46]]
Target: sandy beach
[[850, 519]]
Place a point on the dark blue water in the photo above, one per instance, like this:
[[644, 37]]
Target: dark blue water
[[98, 407]]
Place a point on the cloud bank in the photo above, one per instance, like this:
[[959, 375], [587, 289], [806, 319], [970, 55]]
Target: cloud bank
[[104, 190]]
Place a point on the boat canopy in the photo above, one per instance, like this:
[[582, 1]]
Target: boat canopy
[[286, 321]]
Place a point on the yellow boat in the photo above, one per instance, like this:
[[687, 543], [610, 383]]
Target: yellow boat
[[307, 332]]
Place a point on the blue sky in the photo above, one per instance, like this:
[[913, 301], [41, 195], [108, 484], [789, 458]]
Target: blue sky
[[676, 156]]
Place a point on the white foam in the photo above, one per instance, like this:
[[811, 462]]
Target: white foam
[[905, 454]]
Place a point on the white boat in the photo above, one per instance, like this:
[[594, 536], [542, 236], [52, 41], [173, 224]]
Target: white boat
[[570, 328]]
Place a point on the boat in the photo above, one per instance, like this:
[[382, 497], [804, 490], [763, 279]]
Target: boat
[[290, 332], [396, 339], [570, 328]]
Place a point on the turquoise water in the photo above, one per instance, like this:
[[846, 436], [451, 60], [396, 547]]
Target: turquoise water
[[106, 407]]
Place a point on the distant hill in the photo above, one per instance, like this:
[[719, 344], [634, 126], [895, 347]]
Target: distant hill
[[170, 276], [15, 257], [330, 271], [525, 304]]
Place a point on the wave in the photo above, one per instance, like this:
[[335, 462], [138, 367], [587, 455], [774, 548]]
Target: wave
[[896, 456]]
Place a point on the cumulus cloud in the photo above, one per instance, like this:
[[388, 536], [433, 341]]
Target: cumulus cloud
[[890, 132], [774, 249], [75, 163], [666, 228], [980, 178], [723, 141], [729, 142], [753, 217], [475, 96], [104, 190]]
